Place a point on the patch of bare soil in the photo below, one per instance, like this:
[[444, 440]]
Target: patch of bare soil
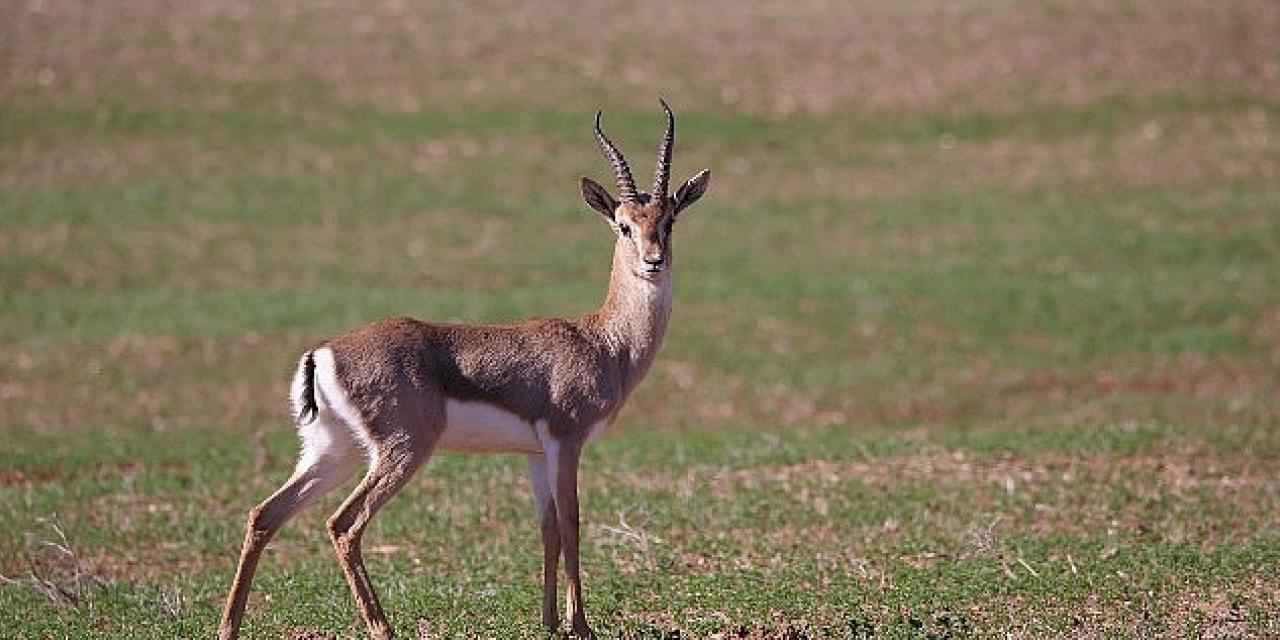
[[766, 57], [304, 634], [1217, 613], [1192, 377]]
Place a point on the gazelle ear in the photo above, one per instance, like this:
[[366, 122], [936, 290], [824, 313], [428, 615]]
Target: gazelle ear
[[690, 191], [598, 198]]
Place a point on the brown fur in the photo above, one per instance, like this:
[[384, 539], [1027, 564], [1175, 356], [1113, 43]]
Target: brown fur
[[569, 375], [552, 369]]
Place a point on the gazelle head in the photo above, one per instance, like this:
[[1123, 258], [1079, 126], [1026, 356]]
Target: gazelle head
[[643, 221]]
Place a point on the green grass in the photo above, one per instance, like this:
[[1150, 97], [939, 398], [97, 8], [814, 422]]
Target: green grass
[[728, 536], [938, 372]]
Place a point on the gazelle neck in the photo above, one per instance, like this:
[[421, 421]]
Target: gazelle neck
[[634, 315]]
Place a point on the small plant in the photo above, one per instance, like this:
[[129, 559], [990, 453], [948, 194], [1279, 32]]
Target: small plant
[[55, 569]]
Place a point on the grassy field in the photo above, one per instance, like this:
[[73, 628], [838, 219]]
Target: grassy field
[[976, 334]]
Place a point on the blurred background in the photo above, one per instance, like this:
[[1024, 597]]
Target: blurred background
[[983, 227]]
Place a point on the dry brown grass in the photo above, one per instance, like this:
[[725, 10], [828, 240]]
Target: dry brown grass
[[1070, 495], [871, 87], [812, 56], [1002, 496], [1216, 613], [50, 389], [1221, 389]]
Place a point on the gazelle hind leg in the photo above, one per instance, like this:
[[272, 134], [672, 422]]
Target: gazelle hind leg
[[329, 457], [540, 481], [391, 469]]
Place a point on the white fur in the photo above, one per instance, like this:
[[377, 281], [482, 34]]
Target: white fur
[[551, 454], [338, 432], [540, 482], [482, 427], [598, 428]]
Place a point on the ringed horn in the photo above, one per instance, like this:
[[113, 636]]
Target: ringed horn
[[662, 174]]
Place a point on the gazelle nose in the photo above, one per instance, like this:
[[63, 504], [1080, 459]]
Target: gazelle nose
[[653, 260]]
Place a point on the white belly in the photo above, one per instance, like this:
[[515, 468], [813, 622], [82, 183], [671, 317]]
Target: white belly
[[482, 427]]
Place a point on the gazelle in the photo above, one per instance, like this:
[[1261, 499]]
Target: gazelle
[[395, 390]]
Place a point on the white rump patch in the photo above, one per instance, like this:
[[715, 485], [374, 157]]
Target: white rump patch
[[338, 433], [482, 427]]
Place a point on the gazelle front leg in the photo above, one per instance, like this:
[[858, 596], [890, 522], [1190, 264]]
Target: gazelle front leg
[[540, 480], [562, 463]]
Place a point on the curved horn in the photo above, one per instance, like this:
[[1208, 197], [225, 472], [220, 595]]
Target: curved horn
[[662, 175], [626, 185]]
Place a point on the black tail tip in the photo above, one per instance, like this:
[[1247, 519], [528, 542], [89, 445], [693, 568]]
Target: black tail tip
[[309, 413], [309, 410]]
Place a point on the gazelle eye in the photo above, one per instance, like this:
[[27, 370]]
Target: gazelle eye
[[624, 229]]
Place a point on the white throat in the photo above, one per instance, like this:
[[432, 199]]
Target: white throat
[[635, 315]]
